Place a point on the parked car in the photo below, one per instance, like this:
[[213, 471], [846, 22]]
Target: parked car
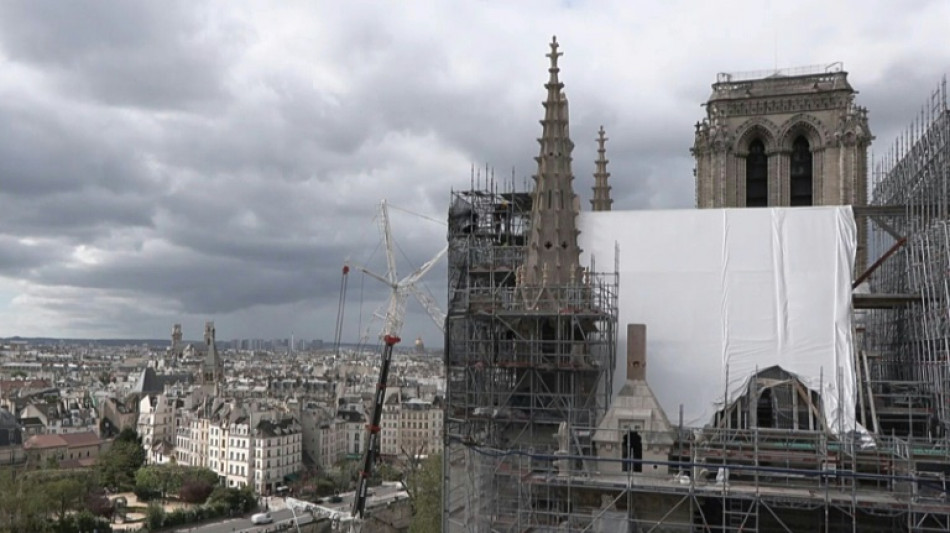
[[262, 518]]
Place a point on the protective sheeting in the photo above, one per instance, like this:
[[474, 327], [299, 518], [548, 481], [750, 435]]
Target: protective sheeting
[[725, 292]]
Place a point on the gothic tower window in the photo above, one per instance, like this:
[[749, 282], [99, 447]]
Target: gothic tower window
[[757, 175], [800, 173]]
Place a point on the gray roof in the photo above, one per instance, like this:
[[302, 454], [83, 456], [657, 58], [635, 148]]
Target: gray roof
[[10, 432]]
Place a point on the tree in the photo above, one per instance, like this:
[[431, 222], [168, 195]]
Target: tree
[[425, 489], [86, 521], [98, 504], [413, 462], [239, 500], [65, 494], [344, 474], [154, 516], [23, 505], [29, 501], [199, 474], [195, 491], [129, 435], [116, 468], [157, 480], [388, 472]]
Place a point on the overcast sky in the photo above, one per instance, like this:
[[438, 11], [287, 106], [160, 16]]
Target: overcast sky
[[176, 162]]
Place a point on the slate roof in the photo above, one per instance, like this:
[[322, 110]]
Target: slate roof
[[286, 426], [10, 431]]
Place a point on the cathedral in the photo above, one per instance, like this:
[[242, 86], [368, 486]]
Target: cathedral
[[785, 138]]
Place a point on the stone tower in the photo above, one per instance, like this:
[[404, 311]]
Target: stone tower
[[789, 138], [552, 253], [601, 200], [176, 341], [212, 368]]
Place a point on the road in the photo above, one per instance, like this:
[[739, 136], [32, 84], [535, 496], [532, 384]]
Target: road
[[244, 525]]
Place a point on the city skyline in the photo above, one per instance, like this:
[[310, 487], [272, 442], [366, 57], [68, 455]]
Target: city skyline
[[178, 163]]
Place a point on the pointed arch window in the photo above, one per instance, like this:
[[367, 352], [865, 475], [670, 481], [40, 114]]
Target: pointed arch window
[[800, 173], [757, 175]]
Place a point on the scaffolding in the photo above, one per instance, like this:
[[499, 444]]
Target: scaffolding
[[905, 356], [529, 385], [522, 365], [719, 480]]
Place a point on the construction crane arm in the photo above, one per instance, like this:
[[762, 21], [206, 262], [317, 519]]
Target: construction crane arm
[[432, 309], [411, 279], [371, 453], [372, 274]]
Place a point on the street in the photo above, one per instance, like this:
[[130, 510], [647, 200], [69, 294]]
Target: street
[[282, 518]]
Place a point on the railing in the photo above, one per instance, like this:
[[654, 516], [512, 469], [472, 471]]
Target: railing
[[727, 77]]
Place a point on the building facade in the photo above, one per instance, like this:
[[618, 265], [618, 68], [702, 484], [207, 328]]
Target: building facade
[[420, 428], [784, 138]]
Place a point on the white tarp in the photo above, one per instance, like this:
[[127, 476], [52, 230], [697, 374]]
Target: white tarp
[[724, 292]]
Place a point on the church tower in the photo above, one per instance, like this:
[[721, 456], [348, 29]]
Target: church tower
[[784, 138], [177, 346], [601, 200], [212, 368]]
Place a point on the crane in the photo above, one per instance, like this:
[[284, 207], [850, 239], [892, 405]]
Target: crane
[[392, 326]]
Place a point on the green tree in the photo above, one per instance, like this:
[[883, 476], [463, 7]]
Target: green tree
[[87, 521], [425, 489], [154, 516], [238, 500], [116, 468], [344, 474], [157, 480], [204, 476], [388, 472], [65, 494], [29, 500]]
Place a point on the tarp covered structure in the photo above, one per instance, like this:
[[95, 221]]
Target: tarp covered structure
[[725, 292]]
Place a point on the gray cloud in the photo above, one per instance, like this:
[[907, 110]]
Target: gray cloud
[[177, 162], [162, 55]]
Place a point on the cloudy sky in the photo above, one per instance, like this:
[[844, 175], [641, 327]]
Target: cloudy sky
[[170, 162]]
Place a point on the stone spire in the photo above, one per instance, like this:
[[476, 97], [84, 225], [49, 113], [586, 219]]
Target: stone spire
[[552, 256], [601, 200]]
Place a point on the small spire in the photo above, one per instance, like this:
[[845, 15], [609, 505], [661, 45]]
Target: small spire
[[554, 54], [601, 200]]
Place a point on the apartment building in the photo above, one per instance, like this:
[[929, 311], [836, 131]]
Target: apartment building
[[244, 445], [420, 427], [158, 425]]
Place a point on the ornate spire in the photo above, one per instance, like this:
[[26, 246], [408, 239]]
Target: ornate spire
[[553, 256], [601, 200]]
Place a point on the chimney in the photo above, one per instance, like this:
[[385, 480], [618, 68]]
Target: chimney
[[636, 352]]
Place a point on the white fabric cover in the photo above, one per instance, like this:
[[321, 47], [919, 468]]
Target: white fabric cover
[[725, 292]]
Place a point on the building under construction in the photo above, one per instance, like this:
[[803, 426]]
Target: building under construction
[[906, 354], [539, 438]]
